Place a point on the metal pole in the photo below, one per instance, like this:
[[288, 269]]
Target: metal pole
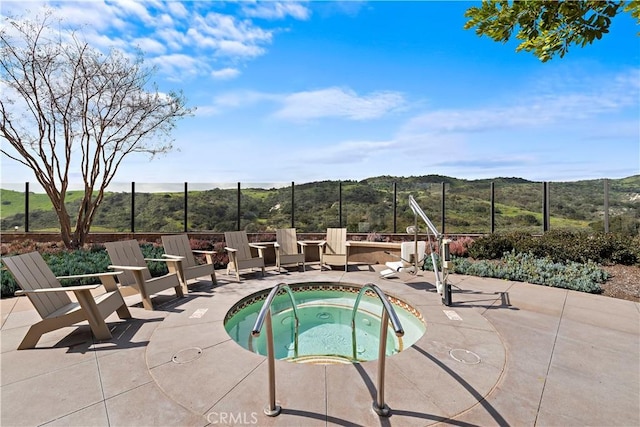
[[272, 409], [606, 205], [340, 203], [26, 207], [379, 406], [186, 200], [442, 209], [238, 211], [395, 208], [293, 205], [545, 208], [548, 201], [493, 207], [133, 207]]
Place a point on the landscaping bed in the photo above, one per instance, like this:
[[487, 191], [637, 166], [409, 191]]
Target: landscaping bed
[[623, 282]]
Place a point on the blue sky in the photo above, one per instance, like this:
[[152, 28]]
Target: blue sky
[[310, 91]]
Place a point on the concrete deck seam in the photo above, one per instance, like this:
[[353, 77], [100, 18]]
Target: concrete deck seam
[[44, 373], [498, 298], [234, 387], [553, 348]]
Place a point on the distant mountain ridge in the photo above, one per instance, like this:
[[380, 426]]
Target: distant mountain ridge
[[367, 206]]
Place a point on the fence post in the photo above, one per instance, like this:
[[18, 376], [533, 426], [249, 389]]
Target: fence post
[[26, 207], [133, 207], [606, 206], [293, 205], [238, 211], [186, 200], [443, 222], [395, 207], [340, 204], [493, 207], [545, 206]]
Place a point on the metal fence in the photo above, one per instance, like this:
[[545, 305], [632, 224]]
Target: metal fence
[[475, 208]]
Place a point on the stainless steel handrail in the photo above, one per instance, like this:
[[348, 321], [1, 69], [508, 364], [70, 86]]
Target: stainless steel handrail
[[388, 313], [272, 409]]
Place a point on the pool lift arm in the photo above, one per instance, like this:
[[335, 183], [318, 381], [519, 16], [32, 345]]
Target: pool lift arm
[[443, 288]]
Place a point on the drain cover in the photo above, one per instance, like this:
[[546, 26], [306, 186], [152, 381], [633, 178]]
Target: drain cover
[[187, 355], [464, 356]]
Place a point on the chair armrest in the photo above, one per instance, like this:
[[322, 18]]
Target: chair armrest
[[276, 245], [253, 245], [348, 244], [63, 289], [322, 243], [197, 251], [230, 249], [127, 267], [84, 276], [301, 243], [173, 257], [164, 259]]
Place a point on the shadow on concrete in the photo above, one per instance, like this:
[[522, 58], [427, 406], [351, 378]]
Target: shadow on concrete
[[481, 400]]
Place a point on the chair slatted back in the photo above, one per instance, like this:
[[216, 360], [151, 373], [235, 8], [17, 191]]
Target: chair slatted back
[[288, 240], [336, 241], [238, 240], [179, 245], [32, 272], [127, 253]]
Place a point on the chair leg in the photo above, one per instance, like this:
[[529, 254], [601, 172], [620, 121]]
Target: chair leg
[[98, 326], [123, 311], [179, 291], [33, 336], [214, 280]]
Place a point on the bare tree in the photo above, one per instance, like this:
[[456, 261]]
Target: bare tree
[[66, 106]]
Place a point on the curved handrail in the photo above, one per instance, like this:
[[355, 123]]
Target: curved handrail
[[272, 409], [388, 314], [393, 317], [257, 328]]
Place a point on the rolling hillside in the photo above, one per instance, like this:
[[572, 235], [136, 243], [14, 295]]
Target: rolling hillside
[[367, 206]]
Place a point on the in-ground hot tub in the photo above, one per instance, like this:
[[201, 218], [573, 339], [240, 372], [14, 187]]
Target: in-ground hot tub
[[325, 333]]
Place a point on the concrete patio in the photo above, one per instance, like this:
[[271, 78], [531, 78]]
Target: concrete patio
[[505, 353]]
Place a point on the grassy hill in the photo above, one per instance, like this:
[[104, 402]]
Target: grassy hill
[[367, 206]]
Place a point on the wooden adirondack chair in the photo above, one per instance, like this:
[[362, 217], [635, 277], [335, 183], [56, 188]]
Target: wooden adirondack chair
[[127, 257], [178, 247], [335, 249], [52, 301], [287, 246], [239, 250]]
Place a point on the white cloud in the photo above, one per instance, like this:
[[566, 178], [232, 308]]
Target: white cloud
[[178, 65], [338, 102], [225, 73], [537, 110], [277, 10], [150, 46]]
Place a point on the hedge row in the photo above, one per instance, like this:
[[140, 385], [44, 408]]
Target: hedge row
[[83, 261], [561, 246]]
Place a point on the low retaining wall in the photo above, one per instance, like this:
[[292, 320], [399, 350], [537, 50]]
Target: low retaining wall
[[360, 250]]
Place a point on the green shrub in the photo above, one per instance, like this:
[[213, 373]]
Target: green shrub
[[561, 246], [526, 267], [94, 259]]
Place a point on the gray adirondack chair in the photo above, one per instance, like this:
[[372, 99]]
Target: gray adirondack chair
[[178, 247], [289, 250], [239, 249], [335, 249], [52, 301], [127, 257]]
